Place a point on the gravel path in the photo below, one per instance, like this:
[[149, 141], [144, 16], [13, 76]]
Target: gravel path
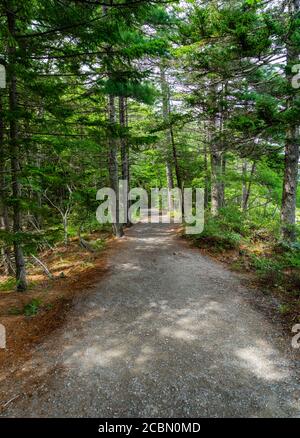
[[167, 332]]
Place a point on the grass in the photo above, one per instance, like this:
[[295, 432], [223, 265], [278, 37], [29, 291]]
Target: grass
[[30, 309], [8, 285], [284, 309], [98, 244]]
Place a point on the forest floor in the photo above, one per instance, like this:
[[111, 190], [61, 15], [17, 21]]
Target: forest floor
[[29, 317], [160, 330]]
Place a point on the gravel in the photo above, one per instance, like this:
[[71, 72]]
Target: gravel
[[167, 332]]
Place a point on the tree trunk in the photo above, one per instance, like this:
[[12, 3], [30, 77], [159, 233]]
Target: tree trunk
[[166, 113], [206, 177], [247, 188], [244, 185], [223, 117], [223, 173], [216, 184], [15, 161], [5, 251], [288, 207], [65, 226], [124, 150], [168, 154], [124, 146], [4, 219], [113, 164], [175, 158], [216, 170]]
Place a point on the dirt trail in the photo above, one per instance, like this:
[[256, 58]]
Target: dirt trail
[[167, 332]]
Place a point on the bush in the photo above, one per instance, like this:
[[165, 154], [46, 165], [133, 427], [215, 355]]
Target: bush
[[32, 307], [222, 232]]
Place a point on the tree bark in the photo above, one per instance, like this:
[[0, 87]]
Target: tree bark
[[123, 142], [288, 206], [216, 170], [14, 156], [246, 189], [65, 227], [244, 185], [168, 153], [175, 158], [4, 218], [216, 185], [223, 173], [215, 141], [166, 113], [223, 117], [206, 177], [113, 164], [124, 150]]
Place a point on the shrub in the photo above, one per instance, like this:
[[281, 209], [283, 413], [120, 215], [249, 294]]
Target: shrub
[[32, 307], [221, 232]]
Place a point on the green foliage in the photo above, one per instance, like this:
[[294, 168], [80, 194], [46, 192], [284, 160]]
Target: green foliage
[[222, 232], [284, 309], [226, 87], [98, 244], [8, 285], [32, 308], [142, 92], [265, 265]]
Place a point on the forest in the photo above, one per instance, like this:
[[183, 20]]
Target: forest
[[170, 94], [135, 319]]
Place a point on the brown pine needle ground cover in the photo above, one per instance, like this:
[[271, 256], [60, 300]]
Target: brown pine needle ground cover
[[31, 316]]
